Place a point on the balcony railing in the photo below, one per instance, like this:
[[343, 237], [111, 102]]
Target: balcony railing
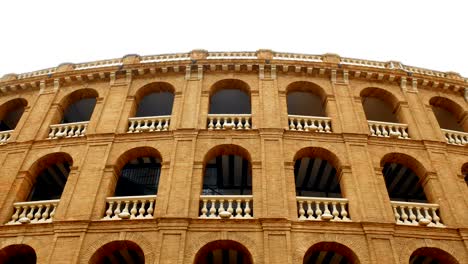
[[310, 123], [130, 207], [229, 121], [226, 206], [5, 136], [455, 137], [33, 212], [421, 214], [77, 129], [148, 124], [390, 130], [322, 209]]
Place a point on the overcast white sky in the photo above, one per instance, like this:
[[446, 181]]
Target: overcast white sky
[[39, 34]]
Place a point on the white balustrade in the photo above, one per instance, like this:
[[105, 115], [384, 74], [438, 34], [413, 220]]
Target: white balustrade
[[130, 207], [148, 124], [5, 136], [386, 129], [165, 57], [226, 206], [322, 209], [310, 123], [229, 121], [98, 64], [33, 212], [231, 55], [297, 57], [68, 130], [365, 63], [422, 214], [455, 137]]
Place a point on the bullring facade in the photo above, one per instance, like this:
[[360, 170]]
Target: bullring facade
[[234, 157]]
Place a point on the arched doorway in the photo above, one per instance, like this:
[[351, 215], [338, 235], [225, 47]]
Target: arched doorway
[[328, 253], [118, 252], [18, 254], [223, 252], [430, 255]]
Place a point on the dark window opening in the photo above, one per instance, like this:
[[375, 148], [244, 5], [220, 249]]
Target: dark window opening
[[224, 256], [16, 254], [79, 111], [227, 175], [119, 252], [378, 110], [230, 101], [403, 184], [50, 182], [140, 176], [446, 119], [156, 104], [316, 177], [304, 104], [326, 257], [11, 119]]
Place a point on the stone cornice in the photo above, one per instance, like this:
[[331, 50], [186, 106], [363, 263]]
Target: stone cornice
[[267, 63]]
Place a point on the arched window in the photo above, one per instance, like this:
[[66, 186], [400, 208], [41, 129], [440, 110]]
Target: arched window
[[140, 176], [404, 177], [432, 256], [383, 114], [330, 252], [223, 252], [118, 252], [318, 191], [380, 105], [139, 170], [305, 99], [19, 253], [75, 111], [51, 176], [449, 114], [227, 183], [402, 183], [155, 99], [230, 96], [315, 176], [10, 113], [78, 106], [228, 172], [140, 173]]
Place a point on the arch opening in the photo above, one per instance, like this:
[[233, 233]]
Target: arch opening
[[155, 99], [223, 252], [11, 112], [305, 99], [51, 174], [380, 105], [449, 114], [140, 176], [18, 253], [430, 255], [118, 252], [79, 106], [230, 96], [227, 172], [315, 174], [330, 252], [139, 172]]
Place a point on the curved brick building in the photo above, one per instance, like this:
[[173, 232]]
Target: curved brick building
[[236, 158]]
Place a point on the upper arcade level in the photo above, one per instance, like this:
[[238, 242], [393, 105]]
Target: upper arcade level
[[235, 90]]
